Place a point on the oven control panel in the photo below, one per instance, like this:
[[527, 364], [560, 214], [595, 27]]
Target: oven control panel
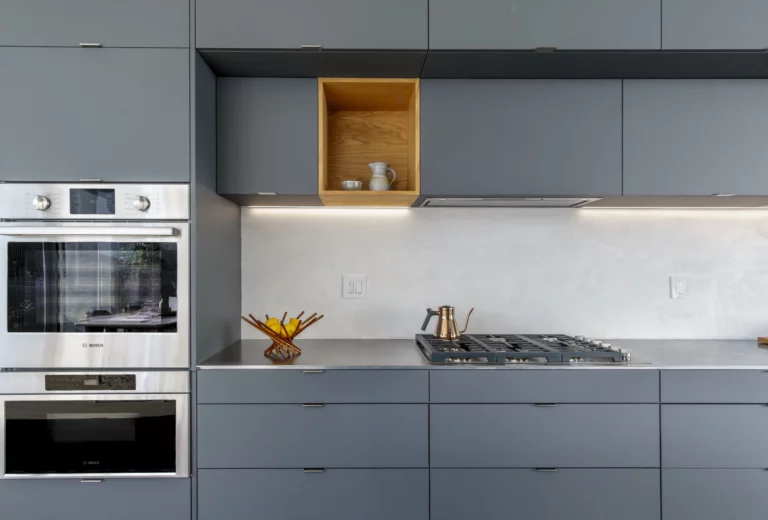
[[99, 383], [88, 201]]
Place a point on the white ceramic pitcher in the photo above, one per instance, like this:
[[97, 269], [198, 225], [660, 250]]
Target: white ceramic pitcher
[[379, 180]]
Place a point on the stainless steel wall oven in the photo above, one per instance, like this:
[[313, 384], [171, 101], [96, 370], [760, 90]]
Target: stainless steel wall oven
[[94, 276]]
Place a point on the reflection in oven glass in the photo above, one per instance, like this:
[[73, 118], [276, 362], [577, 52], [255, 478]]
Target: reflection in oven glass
[[55, 437], [126, 287]]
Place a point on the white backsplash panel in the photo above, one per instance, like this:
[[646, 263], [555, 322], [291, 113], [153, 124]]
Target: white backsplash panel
[[600, 273]]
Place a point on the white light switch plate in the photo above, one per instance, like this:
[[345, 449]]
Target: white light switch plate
[[677, 287], [354, 286]]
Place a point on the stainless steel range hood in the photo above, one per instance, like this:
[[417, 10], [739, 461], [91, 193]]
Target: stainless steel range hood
[[507, 202]]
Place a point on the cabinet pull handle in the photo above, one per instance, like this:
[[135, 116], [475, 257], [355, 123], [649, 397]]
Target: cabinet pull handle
[[311, 47], [90, 45], [546, 470], [90, 180], [313, 371], [544, 405], [266, 193], [314, 470], [92, 480], [313, 405]]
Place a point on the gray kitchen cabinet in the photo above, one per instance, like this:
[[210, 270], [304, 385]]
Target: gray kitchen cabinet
[[333, 24], [565, 494], [290, 494], [529, 24], [529, 436], [266, 136], [111, 23], [119, 115], [544, 386], [520, 137], [714, 436], [714, 386], [714, 494], [115, 499], [312, 386], [299, 436], [695, 137], [714, 24]]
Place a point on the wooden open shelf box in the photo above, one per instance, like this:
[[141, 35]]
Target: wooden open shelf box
[[362, 121]]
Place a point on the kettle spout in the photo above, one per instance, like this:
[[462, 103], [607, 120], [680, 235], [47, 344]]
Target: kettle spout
[[467, 322]]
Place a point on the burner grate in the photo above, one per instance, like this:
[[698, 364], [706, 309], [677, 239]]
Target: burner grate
[[516, 348]]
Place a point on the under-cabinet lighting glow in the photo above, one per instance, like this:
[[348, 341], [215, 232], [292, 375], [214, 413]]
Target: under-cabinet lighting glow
[[332, 211]]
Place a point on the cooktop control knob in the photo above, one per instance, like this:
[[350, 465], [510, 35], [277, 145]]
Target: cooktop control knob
[[141, 203], [41, 203]]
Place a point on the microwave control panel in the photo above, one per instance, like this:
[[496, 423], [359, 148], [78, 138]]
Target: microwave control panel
[[94, 201], [81, 382]]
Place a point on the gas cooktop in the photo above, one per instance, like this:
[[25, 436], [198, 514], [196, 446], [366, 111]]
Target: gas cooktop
[[519, 348]]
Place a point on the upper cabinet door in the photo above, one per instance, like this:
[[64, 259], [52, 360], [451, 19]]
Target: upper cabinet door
[[521, 137], [715, 24], [333, 24], [695, 137], [529, 24], [267, 136], [111, 23], [118, 115]]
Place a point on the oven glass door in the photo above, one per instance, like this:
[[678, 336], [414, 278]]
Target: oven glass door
[[60, 437], [124, 287], [94, 295]]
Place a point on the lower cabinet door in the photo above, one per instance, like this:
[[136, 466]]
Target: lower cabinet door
[[714, 494], [563, 494], [714, 436], [313, 436], [291, 494], [545, 435], [113, 499]]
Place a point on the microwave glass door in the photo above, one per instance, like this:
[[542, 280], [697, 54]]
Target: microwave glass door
[[122, 287], [90, 437]]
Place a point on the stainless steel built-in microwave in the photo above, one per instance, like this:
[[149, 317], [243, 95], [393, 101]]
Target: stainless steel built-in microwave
[[94, 425]]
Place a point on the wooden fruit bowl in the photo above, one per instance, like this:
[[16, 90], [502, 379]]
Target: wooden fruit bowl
[[282, 346]]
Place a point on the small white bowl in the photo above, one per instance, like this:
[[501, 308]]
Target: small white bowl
[[351, 185]]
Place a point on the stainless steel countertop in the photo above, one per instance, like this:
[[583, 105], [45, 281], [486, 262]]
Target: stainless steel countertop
[[402, 354]]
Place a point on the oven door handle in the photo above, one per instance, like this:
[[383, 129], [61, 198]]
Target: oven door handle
[[89, 231]]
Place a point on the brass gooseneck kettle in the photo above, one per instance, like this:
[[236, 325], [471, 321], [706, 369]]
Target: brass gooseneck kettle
[[446, 323]]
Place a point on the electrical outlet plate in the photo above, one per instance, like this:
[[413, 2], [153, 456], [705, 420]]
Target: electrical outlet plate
[[354, 286], [678, 287]]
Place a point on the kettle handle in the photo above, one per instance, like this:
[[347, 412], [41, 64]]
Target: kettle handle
[[430, 313]]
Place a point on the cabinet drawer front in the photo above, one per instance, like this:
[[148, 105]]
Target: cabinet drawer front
[[528, 436], [714, 494], [713, 24], [112, 23], [118, 115], [115, 499], [695, 137], [596, 494], [513, 150], [313, 386], [334, 24], [544, 386], [289, 494], [295, 436], [714, 386], [714, 436], [528, 24]]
